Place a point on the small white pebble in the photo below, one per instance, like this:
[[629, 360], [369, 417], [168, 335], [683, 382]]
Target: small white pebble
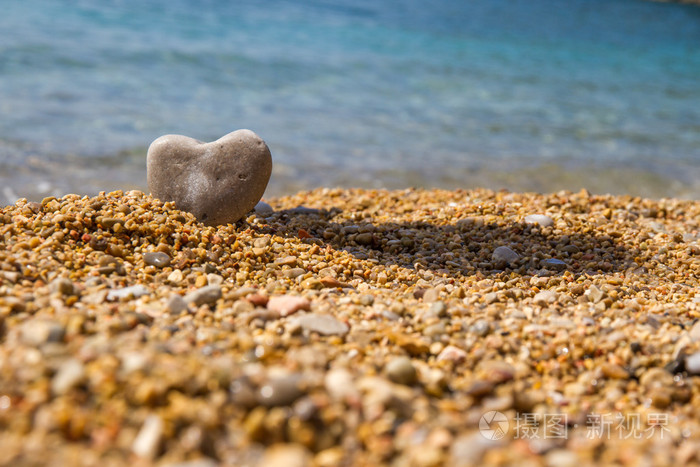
[[147, 442]]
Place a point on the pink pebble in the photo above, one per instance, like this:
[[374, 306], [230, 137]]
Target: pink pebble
[[452, 353], [287, 304]]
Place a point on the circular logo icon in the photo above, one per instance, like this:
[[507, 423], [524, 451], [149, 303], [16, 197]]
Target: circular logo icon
[[493, 425]]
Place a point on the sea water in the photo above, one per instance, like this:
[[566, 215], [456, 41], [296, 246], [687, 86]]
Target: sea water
[[519, 94]]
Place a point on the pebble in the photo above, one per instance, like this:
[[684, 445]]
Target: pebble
[[544, 298], [218, 182], [280, 390], [304, 211], [311, 283], [38, 332], [263, 208], [595, 294], [491, 297], [452, 354], [175, 304], [554, 264], [614, 371], [293, 273], [133, 361], [323, 324], [258, 299], [286, 305], [431, 295], [214, 279], [62, 286], [69, 374], [401, 370], [157, 259], [481, 328], [287, 261], [506, 255], [539, 219], [148, 440], [496, 371], [133, 291], [175, 277], [692, 363], [286, 455], [206, 295], [694, 332], [340, 384]]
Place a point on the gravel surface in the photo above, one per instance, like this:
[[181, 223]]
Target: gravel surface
[[351, 327]]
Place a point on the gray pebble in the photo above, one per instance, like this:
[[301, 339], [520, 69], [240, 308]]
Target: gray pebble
[[390, 315], [175, 305], [280, 390], [263, 208], [243, 393], [366, 299], [554, 264], [157, 259], [480, 328], [435, 330], [326, 325], [491, 297], [218, 182], [539, 219], [401, 370], [206, 295], [303, 210], [305, 408], [134, 291], [503, 254]]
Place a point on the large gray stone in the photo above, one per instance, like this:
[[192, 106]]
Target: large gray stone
[[218, 182]]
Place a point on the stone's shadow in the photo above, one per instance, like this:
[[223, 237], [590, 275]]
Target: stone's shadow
[[463, 248]]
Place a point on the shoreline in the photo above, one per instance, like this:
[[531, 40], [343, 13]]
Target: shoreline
[[371, 327], [37, 179]]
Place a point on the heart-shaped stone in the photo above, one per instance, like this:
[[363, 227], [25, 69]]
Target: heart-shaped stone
[[218, 182]]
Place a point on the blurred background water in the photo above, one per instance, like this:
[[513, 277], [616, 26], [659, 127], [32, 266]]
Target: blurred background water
[[536, 95]]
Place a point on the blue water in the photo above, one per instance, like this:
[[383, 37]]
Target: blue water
[[522, 94]]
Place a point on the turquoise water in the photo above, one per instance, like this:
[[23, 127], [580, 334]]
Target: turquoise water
[[537, 95]]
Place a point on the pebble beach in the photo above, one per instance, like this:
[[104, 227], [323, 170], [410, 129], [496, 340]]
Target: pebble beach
[[351, 327]]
